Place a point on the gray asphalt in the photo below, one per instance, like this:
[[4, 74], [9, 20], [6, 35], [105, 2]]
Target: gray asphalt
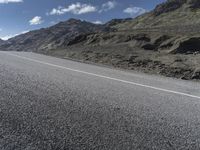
[[48, 103]]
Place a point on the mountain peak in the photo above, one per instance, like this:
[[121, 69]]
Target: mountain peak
[[56, 36], [70, 21], [73, 20]]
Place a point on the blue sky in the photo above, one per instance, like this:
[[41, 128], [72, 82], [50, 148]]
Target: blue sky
[[19, 16]]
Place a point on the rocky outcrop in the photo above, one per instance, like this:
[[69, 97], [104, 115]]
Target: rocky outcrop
[[155, 42], [169, 5], [186, 45], [196, 74]]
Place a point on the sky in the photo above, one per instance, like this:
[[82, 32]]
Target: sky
[[21, 16]]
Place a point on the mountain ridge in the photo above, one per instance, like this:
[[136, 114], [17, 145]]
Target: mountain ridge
[[55, 36], [172, 5], [171, 13]]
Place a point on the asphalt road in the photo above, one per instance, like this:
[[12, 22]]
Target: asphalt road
[[48, 103]]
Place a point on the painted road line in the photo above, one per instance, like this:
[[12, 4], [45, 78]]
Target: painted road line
[[105, 77]]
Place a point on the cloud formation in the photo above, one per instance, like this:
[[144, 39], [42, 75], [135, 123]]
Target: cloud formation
[[76, 9], [36, 20], [10, 1], [108, 6], [134, 11]]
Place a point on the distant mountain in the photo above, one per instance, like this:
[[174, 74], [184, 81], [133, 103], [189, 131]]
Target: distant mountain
[[53, 37], [171, 13]]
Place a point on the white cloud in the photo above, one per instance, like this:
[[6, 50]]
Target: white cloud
[[76, 9], [108, 6], [36, 20], [98, 22], [134, 11], [12, 35], [10, 1]]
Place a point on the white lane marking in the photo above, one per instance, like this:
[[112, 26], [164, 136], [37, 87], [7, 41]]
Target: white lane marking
[[105, 77]]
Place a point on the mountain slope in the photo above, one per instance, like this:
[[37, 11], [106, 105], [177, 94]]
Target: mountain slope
[[164, 41], [172, 13], [58, 35]]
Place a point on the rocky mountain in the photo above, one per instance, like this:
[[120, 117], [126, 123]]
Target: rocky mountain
[[163, 41], [173, 26], [171, 13], [53, 37], [172, 5]]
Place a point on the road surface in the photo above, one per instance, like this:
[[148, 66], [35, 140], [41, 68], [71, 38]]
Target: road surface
[[49, 103]]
